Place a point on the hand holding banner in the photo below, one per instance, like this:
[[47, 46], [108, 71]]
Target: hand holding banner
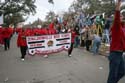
[[47, 44]]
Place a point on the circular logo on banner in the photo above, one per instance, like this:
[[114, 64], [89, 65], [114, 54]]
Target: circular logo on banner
[[32, 52], [66, 47], [50, 43]]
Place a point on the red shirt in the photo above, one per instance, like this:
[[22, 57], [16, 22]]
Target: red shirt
[[44, 31], [51, 31], [116, 34], [7, 32], [21, 40], [73, 35], [37, 31], [30, 32], [18, 30]]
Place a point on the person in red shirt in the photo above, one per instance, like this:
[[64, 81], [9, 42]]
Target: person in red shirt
[[30, 31], [18, 29], [73, 35], [44, 31], [116, 61], [11, 31], [51, 29], [7, 32], [21, 42], [37, 31]]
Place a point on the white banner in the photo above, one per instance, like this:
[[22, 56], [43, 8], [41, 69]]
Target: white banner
[[47, 44]]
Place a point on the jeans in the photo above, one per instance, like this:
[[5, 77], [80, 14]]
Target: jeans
[[116, 67], [95, 47], [76, 41], [107, 36], [124, 58]]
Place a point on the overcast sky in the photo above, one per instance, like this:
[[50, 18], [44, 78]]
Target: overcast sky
[[43, 7]]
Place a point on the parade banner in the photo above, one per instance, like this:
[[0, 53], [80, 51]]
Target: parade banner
[[47, 44]]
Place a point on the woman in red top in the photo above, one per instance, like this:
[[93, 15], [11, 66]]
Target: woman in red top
[[21, 42], [73, 35]]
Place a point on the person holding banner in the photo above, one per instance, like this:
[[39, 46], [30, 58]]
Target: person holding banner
[[73, 35], [21, 42], [49, 31], [117, 47]]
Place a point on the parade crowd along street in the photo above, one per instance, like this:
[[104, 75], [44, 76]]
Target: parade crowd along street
[[86, 31], [82, 30]]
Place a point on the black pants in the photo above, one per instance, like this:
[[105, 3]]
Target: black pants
[[6, 43], [82, 43], [116, 67], [23, 51], [71, 49], [88, 43]]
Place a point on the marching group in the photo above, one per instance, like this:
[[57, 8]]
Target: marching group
[[86, 31]]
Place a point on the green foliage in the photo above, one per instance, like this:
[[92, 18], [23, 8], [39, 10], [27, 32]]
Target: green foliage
[[94, 6], [51, 1], [37, 22], [14, 10], [50, 16]]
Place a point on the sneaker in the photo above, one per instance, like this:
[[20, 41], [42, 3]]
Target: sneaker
[[22, 59], [70, 55], [107, 45], [45, 56]]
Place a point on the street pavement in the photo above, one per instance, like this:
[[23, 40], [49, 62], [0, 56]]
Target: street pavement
[[82, 67]]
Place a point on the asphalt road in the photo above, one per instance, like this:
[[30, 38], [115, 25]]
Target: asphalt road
[[82, 67]]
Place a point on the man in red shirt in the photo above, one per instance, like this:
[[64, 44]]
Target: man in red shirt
[[116, 61]]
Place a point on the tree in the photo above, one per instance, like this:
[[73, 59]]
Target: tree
[[15, 10], [51, 1], [50, 16], [37, 22], [94, 6]]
